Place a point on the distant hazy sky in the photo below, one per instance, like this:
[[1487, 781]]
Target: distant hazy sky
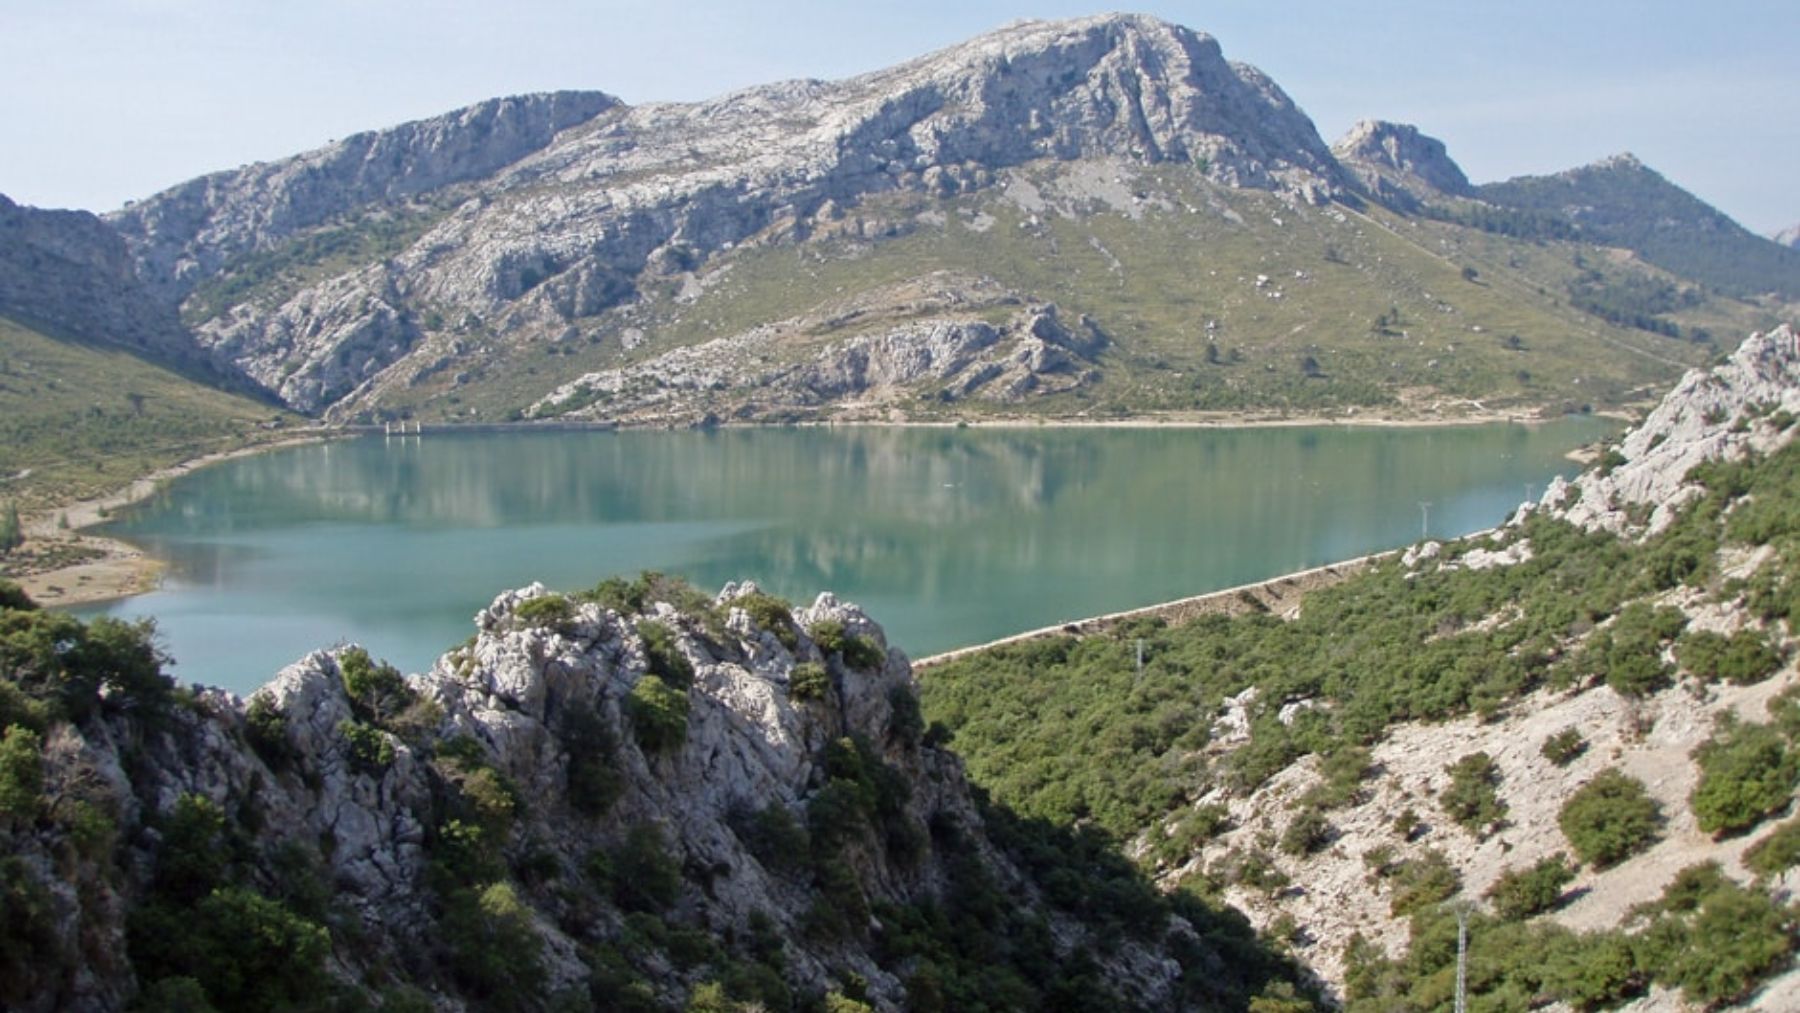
[[108, 100]]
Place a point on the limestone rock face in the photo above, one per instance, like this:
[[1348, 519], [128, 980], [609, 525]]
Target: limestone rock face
[[1789, 237], [525, 216], [547, 688], [1746, 403], [1033, 352], [1399, 164]]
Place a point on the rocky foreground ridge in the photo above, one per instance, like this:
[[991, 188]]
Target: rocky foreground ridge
[[658, 800]]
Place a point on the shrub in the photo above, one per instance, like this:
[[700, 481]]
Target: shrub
[[857, 651], [1306, 832], [495, 953], [21, 773], [370, 750], [905, 723], [773, 614], [1743, 658], [1519, 894], [546, 611], [645, 877], [1776, 853], [1610, 818], [265, 728], [1746, 773], [1423, 881], [1715, 940], [659, 714], [593, 782], [1473, 798], [377, 692], [663, 654], [809, 681], [1564, 747]]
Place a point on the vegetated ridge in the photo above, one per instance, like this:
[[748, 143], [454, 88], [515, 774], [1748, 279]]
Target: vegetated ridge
[[1081, 218], [1580, 727], [637, 798]]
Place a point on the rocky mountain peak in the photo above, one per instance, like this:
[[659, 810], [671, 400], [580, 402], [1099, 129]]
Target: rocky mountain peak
[[1395, 160], [542, 213], [1789, 237]]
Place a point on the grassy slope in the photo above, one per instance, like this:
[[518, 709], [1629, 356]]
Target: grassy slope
[[68, 416], [1153, 283]]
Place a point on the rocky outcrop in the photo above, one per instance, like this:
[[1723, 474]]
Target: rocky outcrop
[[187, 233], [1789, 237], [572, 201], [947, 358], [1400, 165], [564, 730], [1745, 404], [67, 272]]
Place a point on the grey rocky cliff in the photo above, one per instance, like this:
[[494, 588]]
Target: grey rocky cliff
[[186, 233], [1789, 237], [956, 351], [1400, 165], [1717, 414], [506, 701], [567, 225], [66, 271]]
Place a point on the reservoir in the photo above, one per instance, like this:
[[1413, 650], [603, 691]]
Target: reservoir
[[948, 537]]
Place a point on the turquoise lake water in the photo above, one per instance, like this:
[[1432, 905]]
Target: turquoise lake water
[[947, 536]]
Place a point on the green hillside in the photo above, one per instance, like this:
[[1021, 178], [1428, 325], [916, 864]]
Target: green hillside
[[1623, 203], [79, 419]]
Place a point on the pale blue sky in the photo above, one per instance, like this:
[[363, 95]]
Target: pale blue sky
[[108, 100]]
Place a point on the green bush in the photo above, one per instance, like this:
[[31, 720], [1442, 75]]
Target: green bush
[[773, 614], [21, 774], [1776, 853], [1743, 658], [1715, 940], [1473, 798], [546, 611], [265, 728], [645, 877], [809, 681], [1746, 773], [1564, 747], [1307, 832], [495, 953], [369, 749], [377, 691], [857, 651], [659, 714], [1610, 818], [663, 654], [1521, 893], [12, 531], [244, 951], [594, 782], [1423, 881]]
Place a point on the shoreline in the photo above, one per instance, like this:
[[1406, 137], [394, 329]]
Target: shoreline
[[117, 569], [1279, 595]]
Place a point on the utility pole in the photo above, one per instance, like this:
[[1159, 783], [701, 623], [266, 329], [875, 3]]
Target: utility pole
[[1424, 518], [1462, 957]]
